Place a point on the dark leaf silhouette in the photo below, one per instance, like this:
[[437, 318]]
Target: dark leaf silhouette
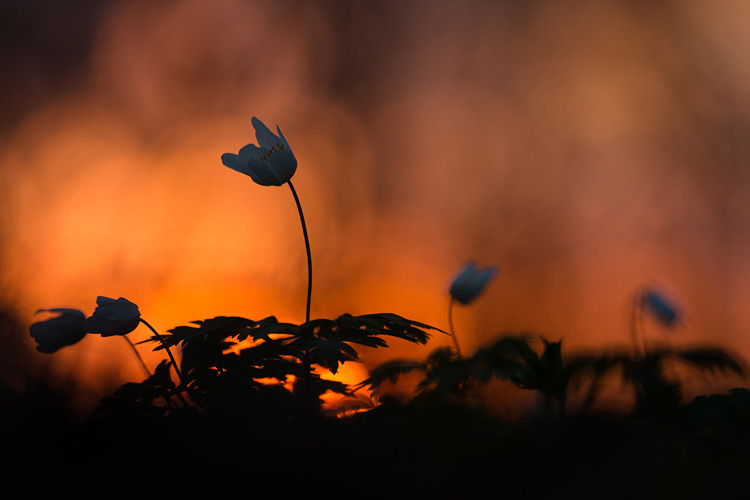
[[230, 354], [390, 371], [508, 358], [136, 401], [655, 394]]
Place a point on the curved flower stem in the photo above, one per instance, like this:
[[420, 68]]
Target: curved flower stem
[[143, 365], [636, 328], [171, 357], [174, 365], [137, 355], [450, 325], [307, 247]]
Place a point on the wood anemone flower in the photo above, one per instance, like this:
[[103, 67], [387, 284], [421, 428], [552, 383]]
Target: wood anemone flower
[[113, 317], [272, 163], [63, 330], [660, 308], [470, 282]]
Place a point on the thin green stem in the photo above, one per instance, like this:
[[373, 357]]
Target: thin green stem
[[450, 325], [137, 355], [307, 248]]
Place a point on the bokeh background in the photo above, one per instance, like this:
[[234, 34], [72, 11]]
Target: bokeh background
[[588, 148]]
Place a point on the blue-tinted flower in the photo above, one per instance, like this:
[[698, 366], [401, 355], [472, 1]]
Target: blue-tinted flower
[[470, 281], [113, 317], [660, 308], [63, 330], [271, 164]]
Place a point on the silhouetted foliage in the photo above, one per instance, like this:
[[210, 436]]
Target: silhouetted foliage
[[247, 398], [234, 365], [655, 394], [508, 358], [134, 402]]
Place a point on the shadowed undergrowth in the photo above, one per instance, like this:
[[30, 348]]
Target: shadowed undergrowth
[[235, 407], [225, 429]]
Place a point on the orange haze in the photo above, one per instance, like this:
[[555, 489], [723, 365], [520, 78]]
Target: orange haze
[[586, 150]]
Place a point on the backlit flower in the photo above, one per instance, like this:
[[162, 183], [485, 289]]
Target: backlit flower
[[63, 330], [113, 317], [660, 307], [470, 281], [271, 164]]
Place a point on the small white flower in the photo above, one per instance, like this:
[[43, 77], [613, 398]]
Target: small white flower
[[660, 308], [470, 281], [113, 317], [55, 333], [271, 164]]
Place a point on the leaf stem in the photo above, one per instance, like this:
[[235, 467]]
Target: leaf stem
[[636, 327], [307, 248], [174, 362], [171, 357], [450, 325], [137, 355]]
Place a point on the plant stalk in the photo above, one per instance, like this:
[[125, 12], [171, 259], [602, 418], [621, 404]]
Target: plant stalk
[[137, 355], [169, 352], [307, 248], [173, 360], [636, 328], [450, 325], [143, 365]]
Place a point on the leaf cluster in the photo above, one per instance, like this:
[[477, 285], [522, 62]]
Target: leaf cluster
[[509, 358], [545, 370], [655, 393], [238, 365], [134, 402]]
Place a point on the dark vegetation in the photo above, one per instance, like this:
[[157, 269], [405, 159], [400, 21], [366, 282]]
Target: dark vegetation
[[239, 412], [249, 422]]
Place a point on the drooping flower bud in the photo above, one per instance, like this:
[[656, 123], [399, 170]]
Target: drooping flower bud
[[63, 330], [470, 282], [113, 317]]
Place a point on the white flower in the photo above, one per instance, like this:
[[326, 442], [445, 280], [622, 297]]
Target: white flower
[[60, 331], [271, 164], [113, 317], [660, 307], [470, 281]]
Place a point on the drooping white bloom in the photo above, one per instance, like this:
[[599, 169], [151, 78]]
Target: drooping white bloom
[[470, 281], [113, 317], [272, 163], [660, 308], [55, 333]]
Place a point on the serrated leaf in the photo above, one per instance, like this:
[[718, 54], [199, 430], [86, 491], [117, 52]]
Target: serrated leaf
[[390, 371]]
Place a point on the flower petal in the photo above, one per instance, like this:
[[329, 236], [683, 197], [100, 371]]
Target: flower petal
[[55, 333], [266, 138], [470, 281], [113, 317], [261, 174], [251, 151], [235, 162], [281, 136], [660, 307], [283, 164]]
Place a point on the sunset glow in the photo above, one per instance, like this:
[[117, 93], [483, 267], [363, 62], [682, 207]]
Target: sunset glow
[[588, 152]]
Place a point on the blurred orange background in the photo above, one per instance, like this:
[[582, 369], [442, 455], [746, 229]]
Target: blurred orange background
[[588, 148]]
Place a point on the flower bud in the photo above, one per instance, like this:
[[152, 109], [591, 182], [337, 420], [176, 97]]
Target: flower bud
[[470, 281], [55, 333], [113, 317]]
